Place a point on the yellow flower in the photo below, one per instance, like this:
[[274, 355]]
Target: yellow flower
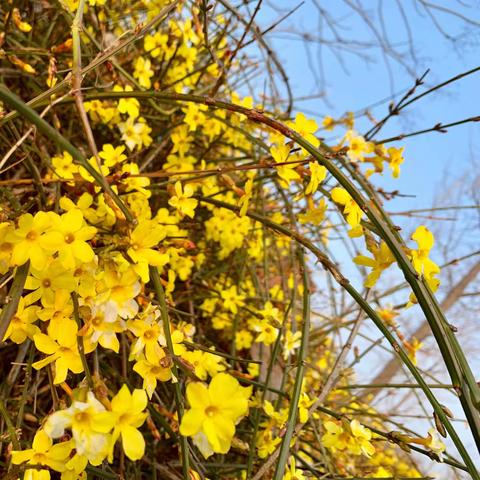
[[317, 175], [130, 106], [314, 214], [147, 234], [45, 282], [75, 468], [101, 327], [435, 444], [34, 474], [361, 439], [57, 307], [103, 170], [151, 373], [182, 201], [291, 343], [388, 316], [277, 419], [358, 146], [286, 172], [306, 128], [61, 349], [231, 299], [293, 473], [243, 339], [334, 437], [352, 211], [328, 123], [21, 325], [102, 112], [6, 247], [149, 339], [135, 132], [133, 182], [194, 116], [420, 257], [112, 155], [43, 452], [412, 347], [143, 72], [382, 259], [214, 411], [156, 44], [73, 235], [128, 409], [181, 140], [267, 332], [31, 240], [246, 102], [395, 160], [90, 423], [267, 443], [246, 197], [64, 166], [303, 405], [204, 363]]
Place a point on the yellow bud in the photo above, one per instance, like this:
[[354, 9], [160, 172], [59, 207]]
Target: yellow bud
[[17, 20], [21, 64]]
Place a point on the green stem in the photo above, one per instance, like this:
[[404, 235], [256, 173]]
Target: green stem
[[297, 387], [160, 294], [10, 426], [80, 342], [14, 295]]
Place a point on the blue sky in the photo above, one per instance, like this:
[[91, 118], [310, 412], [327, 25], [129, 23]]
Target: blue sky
[[427, 158]]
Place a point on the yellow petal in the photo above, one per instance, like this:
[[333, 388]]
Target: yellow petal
[[191, 422], [41, 442], [339, 195], [45, 344], [197, 395], [363, 260], [20, 456], [133, 443], [139, 401], [122, 401], [219, 432]]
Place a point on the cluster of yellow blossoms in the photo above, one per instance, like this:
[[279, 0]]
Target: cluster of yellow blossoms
[[196, 294]]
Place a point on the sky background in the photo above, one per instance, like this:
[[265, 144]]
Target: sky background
[[356, 84], [437, 166]]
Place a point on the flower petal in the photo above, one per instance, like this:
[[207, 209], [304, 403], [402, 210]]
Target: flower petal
[[191, 422], [133, 443], [197, 395]]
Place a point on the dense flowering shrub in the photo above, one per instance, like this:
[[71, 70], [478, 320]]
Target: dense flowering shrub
[[160, 284]]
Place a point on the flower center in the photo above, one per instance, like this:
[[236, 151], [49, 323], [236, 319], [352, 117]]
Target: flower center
[[32, 235], [6, 247], [69, 238], [148, 335], [81, 417], [46, 282], [38, 458], [211, 410]]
